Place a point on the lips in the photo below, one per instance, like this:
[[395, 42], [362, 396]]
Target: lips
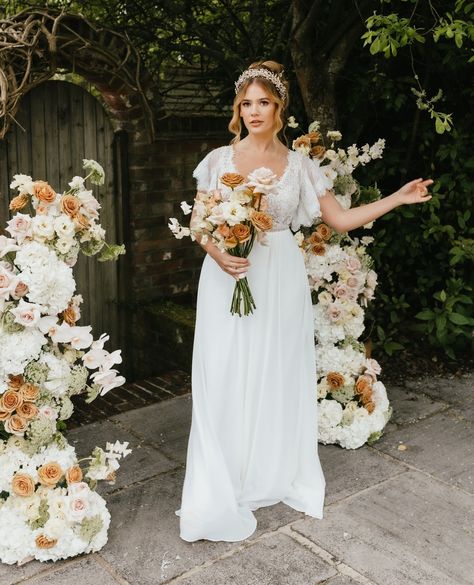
[[256, 122]]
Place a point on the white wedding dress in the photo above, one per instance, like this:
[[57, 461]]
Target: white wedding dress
[[253, 439]]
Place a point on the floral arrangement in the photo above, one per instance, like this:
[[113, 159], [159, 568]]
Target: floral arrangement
[[233, 217], [48, 507], [353, 404]]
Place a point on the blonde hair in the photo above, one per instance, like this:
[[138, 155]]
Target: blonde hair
[[235, 125]]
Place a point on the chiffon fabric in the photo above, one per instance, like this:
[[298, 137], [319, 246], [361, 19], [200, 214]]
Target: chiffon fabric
[[253, 438]]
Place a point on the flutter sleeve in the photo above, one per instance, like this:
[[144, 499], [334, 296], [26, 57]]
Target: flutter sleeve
[[313, 184], [206, 173]]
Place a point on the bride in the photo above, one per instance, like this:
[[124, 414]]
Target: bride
[[253, 439]]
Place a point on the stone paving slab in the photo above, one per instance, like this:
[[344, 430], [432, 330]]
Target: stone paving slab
[[83, 571], [410, 406], [144, 543], [453, 390], [441, 445], [143, 462], [409, 530], [276, 560], [165, 425]]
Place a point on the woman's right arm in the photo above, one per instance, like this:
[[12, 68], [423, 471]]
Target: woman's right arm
[[233, 265]]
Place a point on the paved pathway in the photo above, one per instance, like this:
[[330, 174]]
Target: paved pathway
[[393, 516]]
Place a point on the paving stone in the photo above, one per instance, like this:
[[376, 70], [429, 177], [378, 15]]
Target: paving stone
[[143, 462], [442, 445], [144, 543], [165, 424], [409, 406], [409, 529], [84, 569], [348, 471], [456, 390], [276, 560], [342, 580]]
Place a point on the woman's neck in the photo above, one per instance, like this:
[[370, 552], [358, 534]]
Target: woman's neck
[[262, 143]]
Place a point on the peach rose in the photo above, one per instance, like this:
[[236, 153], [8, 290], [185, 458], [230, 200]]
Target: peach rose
[[70, 205], [231, 242], [23, 484], [50, 473], [42, 208], [262, 221], [241, 232], [369, 406], [16, 424], [43, 542], [335, 379], [224, 230], [363, 383], [15, 382], [10, 400], [44, 192], [4, 414], [302, 142], [29, 391], [232, 180], [319, 249], [324, 231], [317, 152], [69, 315], [19, 202], [80, 221], [315, 238], [73, 474], [27, 410], [20, 290], [314, 137], [112, 476]]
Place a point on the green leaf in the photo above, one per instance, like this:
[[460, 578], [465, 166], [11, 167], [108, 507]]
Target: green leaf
[[459, 319], [425, 315]]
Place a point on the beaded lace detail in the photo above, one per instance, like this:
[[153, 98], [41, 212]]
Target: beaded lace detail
[[294, 201]]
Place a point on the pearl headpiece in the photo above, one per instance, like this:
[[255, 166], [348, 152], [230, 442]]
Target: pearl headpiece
[[275, 78]]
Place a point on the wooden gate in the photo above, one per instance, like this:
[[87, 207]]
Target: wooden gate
[[63, 124]]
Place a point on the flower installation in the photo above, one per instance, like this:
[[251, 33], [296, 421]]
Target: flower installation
[[352, 403], [233, 216], [49, 508]]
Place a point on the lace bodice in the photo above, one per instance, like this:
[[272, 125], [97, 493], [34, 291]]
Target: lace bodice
[[294, 202]]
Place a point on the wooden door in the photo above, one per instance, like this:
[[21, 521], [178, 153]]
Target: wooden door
[[63, 124]]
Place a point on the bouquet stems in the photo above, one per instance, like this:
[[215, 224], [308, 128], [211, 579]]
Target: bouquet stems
[[242, 291]]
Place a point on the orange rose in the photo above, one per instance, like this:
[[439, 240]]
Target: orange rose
[[17, 424], [73, 474], [335, 379], [50, 473], [318, 249], [80, 221], [302, 141], [112, 476], [70, 205], [19, 202], [262, 221], [241, 232], [27, 410], [231, 242], [43, 542], [15, 381], [324, 231], [23, 484], [10, 400], [29, 391], [224, 230], [315, 238], [369, 406], [69, 315], [44, 192], [363, 384], [232, 180], [317, 152], [314, 137]]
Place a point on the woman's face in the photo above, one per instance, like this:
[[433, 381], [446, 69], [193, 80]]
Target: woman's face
[[257, 110]]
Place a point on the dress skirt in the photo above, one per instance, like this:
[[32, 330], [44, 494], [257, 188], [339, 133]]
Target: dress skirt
[[253, 438]]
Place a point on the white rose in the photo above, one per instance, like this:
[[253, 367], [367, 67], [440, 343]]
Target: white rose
[[27, 314]]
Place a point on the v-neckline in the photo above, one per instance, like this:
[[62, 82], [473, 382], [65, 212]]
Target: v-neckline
[[279, 179]]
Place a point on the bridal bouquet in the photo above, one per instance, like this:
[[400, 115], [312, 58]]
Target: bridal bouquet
[[233, 217], [48, 507]]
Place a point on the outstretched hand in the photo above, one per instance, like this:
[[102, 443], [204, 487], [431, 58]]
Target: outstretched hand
[[415, 191]]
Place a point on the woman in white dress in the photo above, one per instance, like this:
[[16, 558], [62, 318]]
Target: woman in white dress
[[253, 439]]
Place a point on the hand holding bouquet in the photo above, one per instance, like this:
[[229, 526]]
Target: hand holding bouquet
[[232, 217]]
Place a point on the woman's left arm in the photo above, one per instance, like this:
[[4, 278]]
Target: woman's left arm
[[344, 220]]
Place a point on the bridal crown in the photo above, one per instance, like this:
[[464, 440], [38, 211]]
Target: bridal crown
[[275, 78]]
